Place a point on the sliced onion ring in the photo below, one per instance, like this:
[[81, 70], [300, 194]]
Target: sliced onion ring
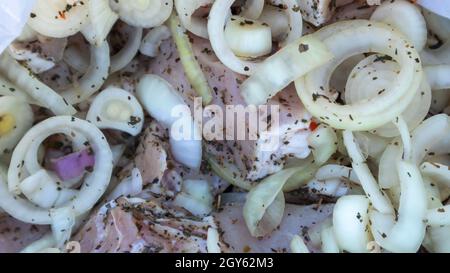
[[405, 17], [216, 22], [53, 18], [115, 108], [366, 36], [185, 10], [94, 77], [95, 183]]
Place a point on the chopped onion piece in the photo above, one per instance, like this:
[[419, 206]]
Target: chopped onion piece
[[115, 108], [350, 223], [323, 142], [298, 245], [303, 175], [436, 172], [159, 98], [9, 89], [336, 171], [163, 103], [329, 243], [428, 137], [437, 76], [153, 39], [130, 186], [42, 190], [278, 71], [63, 221], [212, 241], [277, 20], [248, 38], [218, 17], [252, 9], [73, 165], [293, 10], [229, 172], [439, 216], [195, 197]]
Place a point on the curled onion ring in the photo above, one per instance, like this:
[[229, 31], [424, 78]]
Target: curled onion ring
[[95, 183]]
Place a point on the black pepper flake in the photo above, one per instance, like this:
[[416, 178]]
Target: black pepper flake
[[303, 48], [134, 120]]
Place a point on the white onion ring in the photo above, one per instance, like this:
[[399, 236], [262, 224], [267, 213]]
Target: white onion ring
[[118, 109], [127, 53], [406, 17], [196, 25], [53, 18], [143, 13], [366, 36], [94, 185], [94, 77], [23, 79], [216, 22], [381, 73]]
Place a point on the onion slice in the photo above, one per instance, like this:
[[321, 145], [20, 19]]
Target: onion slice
[[163, 103], [406, 17], [264, 206], [57, 18], [102, 19], [350, 223], [185, 10], [115, 108], [94, 77], [279, 70], [23, 79], [248, 38], [143, 13], [366, 36], [407, 234], [95, 183], [153, 39]]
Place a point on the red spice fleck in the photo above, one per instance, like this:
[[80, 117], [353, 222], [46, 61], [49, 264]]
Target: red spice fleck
[[313, 125], [62, 14]]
